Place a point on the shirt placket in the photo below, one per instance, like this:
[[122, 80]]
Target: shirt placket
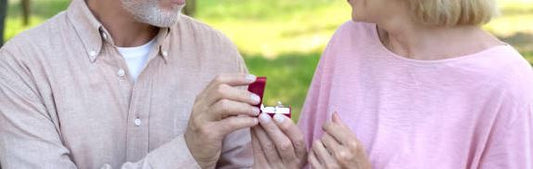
[[138, 115], [139, 110], [136, 97]]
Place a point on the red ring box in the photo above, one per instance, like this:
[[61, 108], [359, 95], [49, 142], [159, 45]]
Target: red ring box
[[258, 87]]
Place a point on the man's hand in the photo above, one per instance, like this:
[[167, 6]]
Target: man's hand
[[220, 109], [339, 148], [279, 144]]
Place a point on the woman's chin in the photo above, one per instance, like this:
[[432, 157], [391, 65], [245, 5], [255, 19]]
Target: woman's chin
[[357, 19]]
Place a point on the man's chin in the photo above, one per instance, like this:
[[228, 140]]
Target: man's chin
[[159, 15], [174, 5], [166, 18]]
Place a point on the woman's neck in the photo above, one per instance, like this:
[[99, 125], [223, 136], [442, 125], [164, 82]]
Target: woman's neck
[[424, 42]]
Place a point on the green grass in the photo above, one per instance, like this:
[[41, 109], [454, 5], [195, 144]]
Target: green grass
[[277, 27], [40, 10], [283, 39]]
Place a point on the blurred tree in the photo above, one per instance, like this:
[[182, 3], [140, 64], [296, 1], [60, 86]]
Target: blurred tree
[[26, 12], [190, 8], [3, 13]]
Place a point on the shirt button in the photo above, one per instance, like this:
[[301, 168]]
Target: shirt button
[[92, 53], [165, 53], [121, 72], [137, 122]]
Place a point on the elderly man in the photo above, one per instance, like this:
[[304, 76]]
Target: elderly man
[[124, 84]]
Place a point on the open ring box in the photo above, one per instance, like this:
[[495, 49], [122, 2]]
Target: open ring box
[[258, 87]]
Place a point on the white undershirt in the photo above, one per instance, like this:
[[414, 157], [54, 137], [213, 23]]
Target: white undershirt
[[136, 57]]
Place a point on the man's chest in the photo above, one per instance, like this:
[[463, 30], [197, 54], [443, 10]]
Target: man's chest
[[97, 108]]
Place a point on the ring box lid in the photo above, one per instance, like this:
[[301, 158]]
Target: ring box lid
[[258, 87]]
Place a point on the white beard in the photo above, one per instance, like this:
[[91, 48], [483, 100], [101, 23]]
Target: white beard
[[149, 12]]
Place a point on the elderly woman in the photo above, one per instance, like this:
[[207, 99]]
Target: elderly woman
[[410, 84]]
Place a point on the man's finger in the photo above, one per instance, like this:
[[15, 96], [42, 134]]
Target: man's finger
[[224, 91], [230, 124], [267, 145], [233, 79], [282, 142], [293, 132], [222, 82], [225, 108]]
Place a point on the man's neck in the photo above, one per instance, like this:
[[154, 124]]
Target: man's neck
[[125, 30]]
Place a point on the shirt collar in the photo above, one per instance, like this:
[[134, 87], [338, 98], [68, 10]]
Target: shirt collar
[[87, 27], [163, 43], [92, 33]]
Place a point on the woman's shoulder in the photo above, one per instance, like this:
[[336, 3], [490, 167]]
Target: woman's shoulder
[[503, 61], [511, 76], [349, 41], [351, 30], [510, 70], [350, 38]]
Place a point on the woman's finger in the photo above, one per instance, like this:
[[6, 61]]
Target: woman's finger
[[313, 161], [336, 131], [331, 144], [323, 155], [336, 119], [259, 155], [282, 143], [293, 132], [342, 133], [267, 145]]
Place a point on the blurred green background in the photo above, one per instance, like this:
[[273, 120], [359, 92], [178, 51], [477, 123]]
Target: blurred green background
[[283, 39]]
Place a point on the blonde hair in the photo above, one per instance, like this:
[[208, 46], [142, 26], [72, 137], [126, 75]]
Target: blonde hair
[[453, 12]]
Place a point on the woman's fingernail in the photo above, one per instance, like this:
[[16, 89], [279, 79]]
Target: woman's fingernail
[[279, 118], [255, 98], [264, 118], [251, 77], [335, 117]]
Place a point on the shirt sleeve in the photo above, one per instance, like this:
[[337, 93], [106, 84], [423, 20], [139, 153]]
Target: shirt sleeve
[[237, 146], [313, 112], [511, 146], [30, 137]]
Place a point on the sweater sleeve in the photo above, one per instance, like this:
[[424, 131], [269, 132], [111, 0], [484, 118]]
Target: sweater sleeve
[[315, 110], [511, 146]]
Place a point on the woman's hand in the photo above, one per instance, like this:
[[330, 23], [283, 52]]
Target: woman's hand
[[278, 144], [338, 148]]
